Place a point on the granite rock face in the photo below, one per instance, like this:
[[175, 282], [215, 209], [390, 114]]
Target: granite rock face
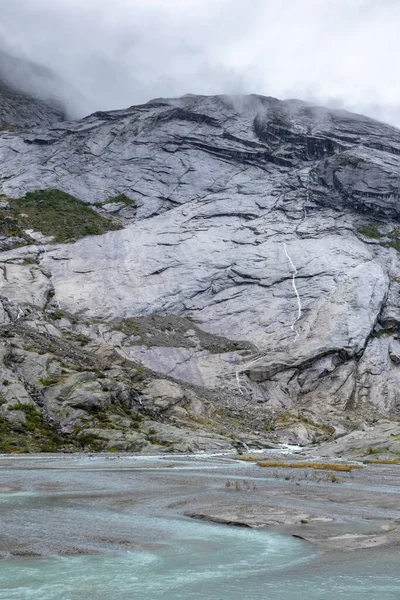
[[258, 267]]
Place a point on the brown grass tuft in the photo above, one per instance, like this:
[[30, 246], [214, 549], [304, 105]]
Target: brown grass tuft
[[308, 465]]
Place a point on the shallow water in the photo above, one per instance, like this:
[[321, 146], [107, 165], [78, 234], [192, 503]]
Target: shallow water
[[121, 513], [203, 561], [200, 561]]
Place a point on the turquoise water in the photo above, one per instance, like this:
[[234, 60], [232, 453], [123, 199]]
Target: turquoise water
[[137, 546], [200, 561], [204, 562]]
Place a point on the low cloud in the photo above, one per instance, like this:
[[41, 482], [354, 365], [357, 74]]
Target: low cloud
[[115, 54]]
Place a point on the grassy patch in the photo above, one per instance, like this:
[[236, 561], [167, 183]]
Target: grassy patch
[[394, 237], [53, 213], [89, 441], [395, 234], [307, 465], [11, 226], [370, 231], [4, 126], [119, 199], [392, 244], [32, 436], [50, 380], [372, 450], [385, 332]]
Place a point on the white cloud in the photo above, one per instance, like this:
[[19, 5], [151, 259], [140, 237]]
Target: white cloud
[[123, 52]]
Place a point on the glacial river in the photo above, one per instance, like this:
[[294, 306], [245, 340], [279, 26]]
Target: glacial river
[[88, 529]]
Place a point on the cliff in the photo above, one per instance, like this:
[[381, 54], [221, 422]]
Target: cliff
[[243, 282]]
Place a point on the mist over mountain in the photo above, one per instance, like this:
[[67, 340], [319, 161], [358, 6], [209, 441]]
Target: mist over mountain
[[116, 54], [40, 83]]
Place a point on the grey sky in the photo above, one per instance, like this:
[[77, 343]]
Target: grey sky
[[123, 52]]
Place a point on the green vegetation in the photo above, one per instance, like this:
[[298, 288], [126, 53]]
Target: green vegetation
[[370, 231], [56, 315], [29, 261], [392, 244], [89, 441], [32, 415], [32, 436], [53, 213], [395, 234], [80, 339], [4, 126], [51, 379], [119, 199], [351, 161], [385, 332], [9, 441], [372, 450], [10, 226]]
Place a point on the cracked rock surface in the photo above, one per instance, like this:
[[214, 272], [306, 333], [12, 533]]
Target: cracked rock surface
[[257, 272]]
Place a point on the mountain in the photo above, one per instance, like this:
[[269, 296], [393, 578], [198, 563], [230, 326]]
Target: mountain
[[245, 285]]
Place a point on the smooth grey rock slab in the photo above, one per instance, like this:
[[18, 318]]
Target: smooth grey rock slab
[[251, 223]]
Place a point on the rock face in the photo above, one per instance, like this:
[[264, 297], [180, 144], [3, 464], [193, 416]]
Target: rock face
[[258, 270]]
